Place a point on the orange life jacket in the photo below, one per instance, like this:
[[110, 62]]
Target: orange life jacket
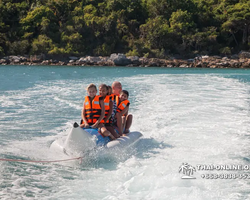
[[107, 107], [115, 98], [92, 109], [121, 105]]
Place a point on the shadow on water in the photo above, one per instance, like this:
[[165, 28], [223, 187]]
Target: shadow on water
[[143, 149]]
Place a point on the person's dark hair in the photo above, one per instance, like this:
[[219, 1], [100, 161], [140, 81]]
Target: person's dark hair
[[104, 85], [125, 92], [109, 88]]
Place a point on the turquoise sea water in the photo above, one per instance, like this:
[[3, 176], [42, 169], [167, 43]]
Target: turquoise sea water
[[194, 116]]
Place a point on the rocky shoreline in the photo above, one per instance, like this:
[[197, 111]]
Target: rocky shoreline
[[241, 60]]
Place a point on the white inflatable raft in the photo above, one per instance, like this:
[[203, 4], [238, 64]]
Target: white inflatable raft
[[81, 140]]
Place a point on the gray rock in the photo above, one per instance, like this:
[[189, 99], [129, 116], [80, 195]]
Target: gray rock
[[216, 57], [190, 60], [134, 60], [16, 60], [91, 60], [62, 63], [235, 56], [3, 61], [120, 59], [45, 62], [244, 54], [82, 59], [204, 57], [54, 61], [104, 59], [115, 56]]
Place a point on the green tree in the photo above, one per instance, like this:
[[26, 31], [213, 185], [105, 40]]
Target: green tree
[[41, 20], [157, 37], [204, 41], [182, 24], [42, 44], [238, 22], [167, 7]]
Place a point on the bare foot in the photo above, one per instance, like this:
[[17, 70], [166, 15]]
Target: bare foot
[[126, 131]]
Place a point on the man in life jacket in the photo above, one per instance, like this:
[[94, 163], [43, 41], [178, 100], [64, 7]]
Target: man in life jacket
[[108, 104], [122, 107], [93, 112], [116, 117]]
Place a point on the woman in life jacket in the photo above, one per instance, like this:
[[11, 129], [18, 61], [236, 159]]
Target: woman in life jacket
[[108, 104], [93, 112]]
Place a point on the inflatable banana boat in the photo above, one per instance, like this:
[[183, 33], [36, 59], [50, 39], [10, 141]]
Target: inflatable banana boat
[[81, 140]]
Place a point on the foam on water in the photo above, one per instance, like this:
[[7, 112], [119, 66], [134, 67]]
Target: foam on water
[[193, 118]]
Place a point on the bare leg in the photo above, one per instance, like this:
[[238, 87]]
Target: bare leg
[[123, 122], [119, 123], [129, 119], [106, 133], [112, 131]]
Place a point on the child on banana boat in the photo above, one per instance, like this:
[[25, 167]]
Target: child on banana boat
[[93, 112], [126, 118]]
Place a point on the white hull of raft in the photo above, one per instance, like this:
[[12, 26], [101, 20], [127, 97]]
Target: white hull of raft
[[79, 141]]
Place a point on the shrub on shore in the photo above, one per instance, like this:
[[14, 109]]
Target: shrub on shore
[[157, 28]]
